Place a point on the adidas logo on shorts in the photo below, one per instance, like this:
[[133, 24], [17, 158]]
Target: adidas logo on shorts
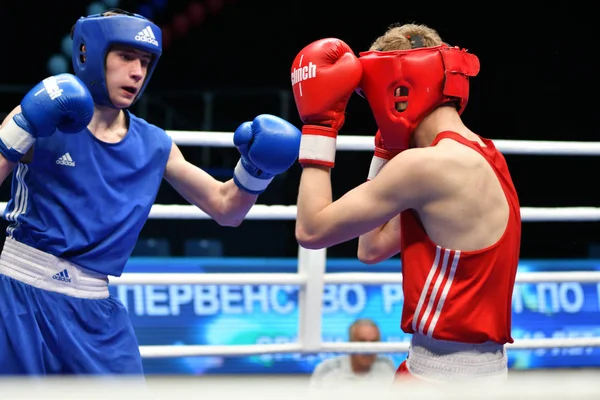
[[146, 35], [62, 276]]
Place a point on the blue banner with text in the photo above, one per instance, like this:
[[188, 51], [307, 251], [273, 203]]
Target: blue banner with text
[[259, 314]]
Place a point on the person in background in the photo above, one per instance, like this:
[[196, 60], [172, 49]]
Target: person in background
[[359, 368]]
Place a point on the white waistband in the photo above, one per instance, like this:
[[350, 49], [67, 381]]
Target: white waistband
[[443, 361], [47, 272]]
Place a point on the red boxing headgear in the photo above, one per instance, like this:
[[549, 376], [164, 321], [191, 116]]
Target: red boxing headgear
[[422, 78]]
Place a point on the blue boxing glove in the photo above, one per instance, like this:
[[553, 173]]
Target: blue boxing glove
[[269, 146], [58, 102]]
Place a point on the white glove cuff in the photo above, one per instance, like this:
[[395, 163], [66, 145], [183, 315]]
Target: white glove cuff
[[250, 183], [317, 149], [376, 164], [16, 138]]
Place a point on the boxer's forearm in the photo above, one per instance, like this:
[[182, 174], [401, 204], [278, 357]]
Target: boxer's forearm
[[314, 195], [381, 243], [236, 203], [322, 223], [225, 202]]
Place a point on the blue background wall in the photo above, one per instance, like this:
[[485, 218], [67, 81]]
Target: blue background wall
[[249, 314]]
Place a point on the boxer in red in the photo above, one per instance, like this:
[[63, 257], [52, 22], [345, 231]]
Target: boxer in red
[[437, 192]]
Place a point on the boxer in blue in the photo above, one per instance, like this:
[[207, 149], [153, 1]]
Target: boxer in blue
[[78, 205]]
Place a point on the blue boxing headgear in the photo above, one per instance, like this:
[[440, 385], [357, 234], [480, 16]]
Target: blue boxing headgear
[[95, 34]]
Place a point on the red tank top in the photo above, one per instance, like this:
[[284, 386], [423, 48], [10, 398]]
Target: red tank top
[[461, 296]]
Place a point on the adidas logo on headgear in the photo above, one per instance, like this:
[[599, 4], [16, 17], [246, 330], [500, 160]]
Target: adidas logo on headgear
[[146, 35]]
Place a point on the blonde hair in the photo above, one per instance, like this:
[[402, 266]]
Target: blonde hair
[[112, 13], [401, 37]]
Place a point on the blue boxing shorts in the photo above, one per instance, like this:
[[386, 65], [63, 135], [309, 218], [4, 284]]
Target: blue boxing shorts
[[57, 318]]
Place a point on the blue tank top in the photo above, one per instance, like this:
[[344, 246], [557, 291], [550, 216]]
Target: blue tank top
[[85, 200]]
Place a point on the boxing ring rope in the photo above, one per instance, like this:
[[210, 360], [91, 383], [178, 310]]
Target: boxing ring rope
[[365, 143], [312, 277]]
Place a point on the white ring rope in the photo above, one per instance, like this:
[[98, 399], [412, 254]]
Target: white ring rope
[[280, 212], [288, 213], [366, 278], [365, 143], [311, 274], [210, 279], [341, 347]]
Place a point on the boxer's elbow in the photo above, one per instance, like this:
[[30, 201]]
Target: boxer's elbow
[[311, 239], [372, 250], [229, 222], [230, 217], [375, 255], [369, 255], [219, 215]]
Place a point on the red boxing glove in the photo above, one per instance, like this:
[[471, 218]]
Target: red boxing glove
[[381, 156], [324, 76]]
